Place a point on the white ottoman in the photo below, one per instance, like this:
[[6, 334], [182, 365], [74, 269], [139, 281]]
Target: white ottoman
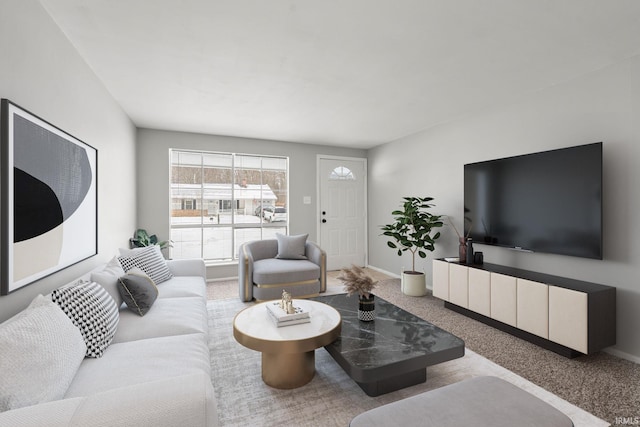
[[481, 401]]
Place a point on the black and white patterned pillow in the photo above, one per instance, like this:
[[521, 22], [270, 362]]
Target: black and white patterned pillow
[[149, 260], [92, 310]]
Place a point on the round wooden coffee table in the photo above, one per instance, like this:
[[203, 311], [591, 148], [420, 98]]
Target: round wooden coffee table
[[288, 352]]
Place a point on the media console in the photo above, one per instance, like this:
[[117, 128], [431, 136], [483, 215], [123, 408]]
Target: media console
[[567, 316]]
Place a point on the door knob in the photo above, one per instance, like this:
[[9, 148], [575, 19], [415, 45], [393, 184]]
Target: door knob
[[324, 220]]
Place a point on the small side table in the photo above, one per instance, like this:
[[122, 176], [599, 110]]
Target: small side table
[[288, 352]]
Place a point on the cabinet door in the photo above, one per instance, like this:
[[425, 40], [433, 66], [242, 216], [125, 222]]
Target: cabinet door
[[480, 291], [568, 321], [441, 279], [458, 285], [533, 307], [503, 298]]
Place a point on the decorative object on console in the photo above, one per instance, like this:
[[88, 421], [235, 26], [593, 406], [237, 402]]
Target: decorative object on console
[[49, 199], [412, 231], [462, 241], [469, 250], [357, 281], [462, 250]]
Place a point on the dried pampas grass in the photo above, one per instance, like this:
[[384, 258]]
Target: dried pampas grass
[[356, 281]]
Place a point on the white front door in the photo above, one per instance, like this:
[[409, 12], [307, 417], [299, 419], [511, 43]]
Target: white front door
[[342, 215]]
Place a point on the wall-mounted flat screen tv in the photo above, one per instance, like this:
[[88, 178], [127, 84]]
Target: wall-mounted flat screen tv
[[548, 202]]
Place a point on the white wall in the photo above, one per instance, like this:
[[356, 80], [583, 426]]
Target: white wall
[[41, 71], [153, 177], [602, 106]]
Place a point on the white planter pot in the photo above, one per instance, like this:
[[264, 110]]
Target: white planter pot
[[414, 284]]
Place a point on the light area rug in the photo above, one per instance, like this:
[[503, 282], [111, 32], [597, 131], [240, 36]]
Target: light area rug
[[332, 398]]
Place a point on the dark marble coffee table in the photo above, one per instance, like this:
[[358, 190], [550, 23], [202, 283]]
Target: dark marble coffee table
[[391, 352]]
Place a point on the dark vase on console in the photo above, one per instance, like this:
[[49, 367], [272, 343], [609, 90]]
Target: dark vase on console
[[366, 308], [469, 251], [462, 250]]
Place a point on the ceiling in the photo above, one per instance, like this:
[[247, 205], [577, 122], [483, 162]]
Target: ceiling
[[354, 73]]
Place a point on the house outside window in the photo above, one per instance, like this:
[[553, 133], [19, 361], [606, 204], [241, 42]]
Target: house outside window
[[221, 200]]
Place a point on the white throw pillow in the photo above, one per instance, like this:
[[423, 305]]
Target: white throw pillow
[[92, 310], [40, 352], [113, 267], [149, 260], [108, 278]]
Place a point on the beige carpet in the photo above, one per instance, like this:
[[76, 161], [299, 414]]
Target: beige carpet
[[332, 398]]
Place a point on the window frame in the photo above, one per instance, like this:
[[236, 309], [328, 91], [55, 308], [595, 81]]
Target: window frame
[[203, 205]]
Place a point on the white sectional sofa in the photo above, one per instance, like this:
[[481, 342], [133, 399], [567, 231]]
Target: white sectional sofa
[[155, 372]]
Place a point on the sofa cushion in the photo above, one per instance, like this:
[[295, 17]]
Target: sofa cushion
[[138, 291], [168, 316], [40, 352], [187, 400], [275, 271], [141, 361], [291, 247], [92, 310], [183, 286], [149, 260]]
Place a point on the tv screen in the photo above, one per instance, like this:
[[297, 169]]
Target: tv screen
[[547, 202]]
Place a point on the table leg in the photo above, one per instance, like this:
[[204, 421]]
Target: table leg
[[288, 370]]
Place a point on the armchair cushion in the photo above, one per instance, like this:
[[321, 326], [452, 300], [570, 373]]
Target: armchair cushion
[[273, 271], [291, 247]]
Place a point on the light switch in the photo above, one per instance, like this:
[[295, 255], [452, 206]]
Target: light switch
[[306, 200]]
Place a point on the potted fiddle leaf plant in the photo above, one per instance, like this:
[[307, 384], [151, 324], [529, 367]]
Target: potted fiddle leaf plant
[[413, 231]]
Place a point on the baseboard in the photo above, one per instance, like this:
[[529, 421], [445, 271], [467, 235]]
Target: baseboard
[[222, 279], [622, 355], [388, 273]]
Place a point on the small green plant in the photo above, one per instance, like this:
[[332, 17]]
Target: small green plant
[[412, 228], [141, 239]]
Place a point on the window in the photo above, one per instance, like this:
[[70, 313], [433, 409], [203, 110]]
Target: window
[[221, 200], [341, 173]]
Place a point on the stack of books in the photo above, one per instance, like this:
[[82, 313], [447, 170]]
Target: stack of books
[[281, 318]]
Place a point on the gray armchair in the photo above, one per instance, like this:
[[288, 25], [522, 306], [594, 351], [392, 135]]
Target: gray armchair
[[263, 276]]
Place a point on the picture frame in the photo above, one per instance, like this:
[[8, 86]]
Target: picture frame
[[49, 202]]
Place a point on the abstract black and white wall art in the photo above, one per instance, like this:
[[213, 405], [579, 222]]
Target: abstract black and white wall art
[[49, 199]]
